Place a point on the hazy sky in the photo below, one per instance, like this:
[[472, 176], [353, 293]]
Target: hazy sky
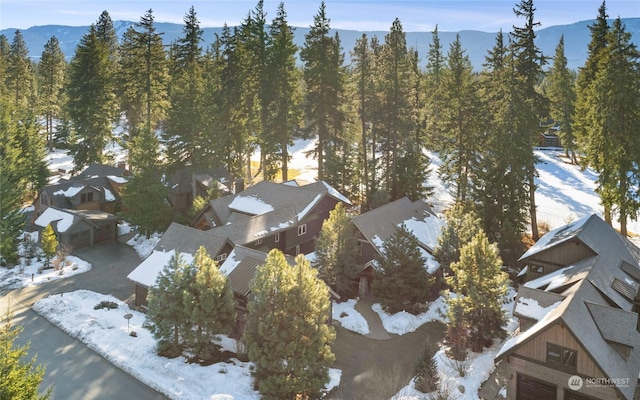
[[417, 15]]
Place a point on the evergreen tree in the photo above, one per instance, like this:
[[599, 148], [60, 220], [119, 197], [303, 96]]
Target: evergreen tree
[[20, 75], [402, 282], [4, 62], [461, 123], [49, 243], [324, 75], [361, 74], [144, 196], [186, 137], [480, 287], [336, 250], [462, 225], [528, 61], [287, 335], [166, 318], [20, 378], [12, 185], [609, 120], [144, 76], [51, 74], [92, 104], [562, 99], [209, 305], [435, 69], [251, 43], [284, 98], [502, 189]]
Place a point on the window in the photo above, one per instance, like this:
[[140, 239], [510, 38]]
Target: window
[[302, 229], [221, 257], [561, 356], [86, 197], [258, 242], [277, 237], [539, 269]]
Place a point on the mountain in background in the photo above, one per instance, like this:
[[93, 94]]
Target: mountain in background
[[476, 43]]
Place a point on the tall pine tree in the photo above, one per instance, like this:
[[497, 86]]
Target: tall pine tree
[[51, 76], [336, 250], [209, 305], [287, 335], [562, 99]]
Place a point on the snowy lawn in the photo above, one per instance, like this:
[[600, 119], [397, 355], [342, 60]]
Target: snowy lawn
[[105, 331], [404, 322], [476, 368], [29, 275], [349, 318]]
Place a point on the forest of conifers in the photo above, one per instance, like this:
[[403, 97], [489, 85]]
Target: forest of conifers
[[375, 120]]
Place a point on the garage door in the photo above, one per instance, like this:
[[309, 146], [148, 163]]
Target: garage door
[[533, 389]]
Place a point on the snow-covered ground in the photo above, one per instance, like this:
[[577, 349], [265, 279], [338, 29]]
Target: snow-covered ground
[[142, 245], [31, 271], [107, 332], [564, 193]]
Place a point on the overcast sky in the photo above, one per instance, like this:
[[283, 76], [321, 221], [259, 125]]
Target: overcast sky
[[417, 15]]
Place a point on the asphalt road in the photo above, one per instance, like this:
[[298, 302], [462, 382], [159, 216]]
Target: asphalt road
[[72, 369]]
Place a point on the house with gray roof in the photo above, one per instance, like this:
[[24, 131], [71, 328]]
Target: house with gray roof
[[96, 188], [180, 185], [578, 312], [78, 228], [177, 239], [272, 215], [376, 226]]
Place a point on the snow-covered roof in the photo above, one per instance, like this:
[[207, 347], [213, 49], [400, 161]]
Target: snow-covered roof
[[70, 191], [530, 308], [425, 230], [250, 205], [117, 179], [108, 195], [308, 208], [556, 236], [65, 219], [333, 192], [148, 271]]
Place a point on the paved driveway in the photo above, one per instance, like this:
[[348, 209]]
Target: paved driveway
[[72, 369]]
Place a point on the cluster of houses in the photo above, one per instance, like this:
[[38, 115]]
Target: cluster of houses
[[577, 305]]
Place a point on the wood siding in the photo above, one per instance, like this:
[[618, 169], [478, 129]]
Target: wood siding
[[530, 360], [558, 257]]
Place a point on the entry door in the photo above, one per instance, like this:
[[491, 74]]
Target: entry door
[[533, 389]]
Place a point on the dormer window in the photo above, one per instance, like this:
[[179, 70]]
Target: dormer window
[[86, 197]]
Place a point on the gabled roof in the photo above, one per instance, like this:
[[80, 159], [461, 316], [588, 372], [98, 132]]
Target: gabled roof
[[246, 230], [180, 182], [63, 220], [290, 203], [240, 267], [599, 293], [62, 193], [177, 239], [185, 239], [379, 224], [592, 322], [614, 255], [99, 170]]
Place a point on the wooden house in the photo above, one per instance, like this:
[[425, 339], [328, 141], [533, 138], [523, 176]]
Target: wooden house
[[375, 227], [177, 239], [97, 188], [180, 186], [79, 228], [578, 335], [271, 215]]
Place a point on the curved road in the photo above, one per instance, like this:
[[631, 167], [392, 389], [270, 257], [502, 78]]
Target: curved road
[[72, 369]]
